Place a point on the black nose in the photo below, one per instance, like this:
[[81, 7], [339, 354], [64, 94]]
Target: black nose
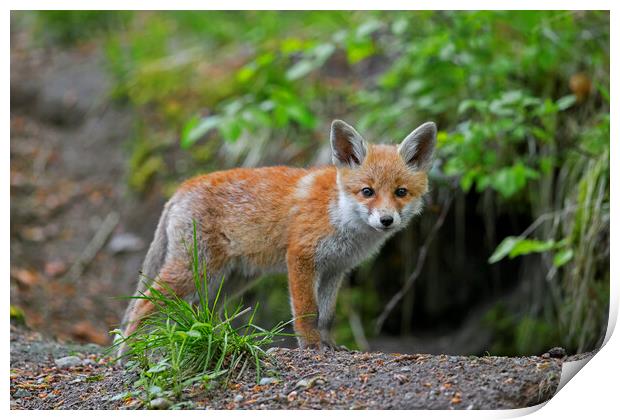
[[386, 220]]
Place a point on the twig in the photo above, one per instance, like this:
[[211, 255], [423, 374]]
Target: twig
[[418, 269], [543, 218], [93, 248]]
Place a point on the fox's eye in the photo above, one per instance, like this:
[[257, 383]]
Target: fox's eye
[[368, 192], [401, 192]]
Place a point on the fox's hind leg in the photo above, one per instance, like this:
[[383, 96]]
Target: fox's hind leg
[[175, 277]]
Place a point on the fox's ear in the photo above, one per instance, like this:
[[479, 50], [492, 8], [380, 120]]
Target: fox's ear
[[417, 148], [348, 147]]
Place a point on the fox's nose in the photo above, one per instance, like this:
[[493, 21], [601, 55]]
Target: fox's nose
[[386, 220]]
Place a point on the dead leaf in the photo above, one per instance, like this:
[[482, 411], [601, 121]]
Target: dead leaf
[[580, 85], [291, 396], [34, 234], [445, 386], [401, 378], [25, 277], [456, 399]]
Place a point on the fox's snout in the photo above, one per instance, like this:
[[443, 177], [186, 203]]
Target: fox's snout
[[384, 219]]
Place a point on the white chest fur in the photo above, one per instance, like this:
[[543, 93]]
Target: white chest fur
[[344, 250]]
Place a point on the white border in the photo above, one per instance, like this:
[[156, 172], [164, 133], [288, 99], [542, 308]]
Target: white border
[[593, 393]]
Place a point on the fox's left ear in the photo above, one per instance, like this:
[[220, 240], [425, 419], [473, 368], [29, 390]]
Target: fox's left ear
[[417, 148]]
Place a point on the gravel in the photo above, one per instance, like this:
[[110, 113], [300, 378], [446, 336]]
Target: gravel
[[299, 379]]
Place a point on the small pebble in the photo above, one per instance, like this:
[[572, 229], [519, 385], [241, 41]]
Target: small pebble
[[238, 398], [310, 382], [160, 404], [68, 362], [557, 352], [21, 393], [268, 381]]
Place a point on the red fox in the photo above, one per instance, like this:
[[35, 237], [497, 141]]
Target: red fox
[[316, 224]]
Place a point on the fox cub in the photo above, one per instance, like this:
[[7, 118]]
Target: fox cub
[[316, 224]]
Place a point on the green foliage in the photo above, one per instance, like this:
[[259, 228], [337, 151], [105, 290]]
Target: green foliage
[[514, 246], [517, 335], [17, 315], [182, 344]]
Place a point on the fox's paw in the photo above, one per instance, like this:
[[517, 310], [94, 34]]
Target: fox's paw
[[330, 345], [319, 341]]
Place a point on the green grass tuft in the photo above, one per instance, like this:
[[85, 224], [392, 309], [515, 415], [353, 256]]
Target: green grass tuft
[[183, 343]]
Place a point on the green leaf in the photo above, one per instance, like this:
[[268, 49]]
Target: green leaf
[[514, 246], [604, 91], [399, 26], [300, 113], [194, 334], [466, 105], [510, 180], [541, 134], [155, 390], [566, 102], [503, 249], [195, 128], [159, 367], [231, 130], [530, 246], [498, 108], [512, 96], [246, 73], [291, 45], [323, 51], [467, 180], [300, 69], [562, 257], [367, 28], [357, 51]]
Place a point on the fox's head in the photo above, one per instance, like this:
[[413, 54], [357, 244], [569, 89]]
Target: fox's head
[[381, 185]]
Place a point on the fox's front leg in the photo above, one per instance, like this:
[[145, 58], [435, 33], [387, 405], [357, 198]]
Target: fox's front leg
[[301, 280], [327, 293]]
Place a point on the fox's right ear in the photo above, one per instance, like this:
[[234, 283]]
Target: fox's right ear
[[348, 146]]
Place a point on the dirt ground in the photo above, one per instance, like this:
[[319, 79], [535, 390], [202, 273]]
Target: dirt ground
[[296, 379]]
